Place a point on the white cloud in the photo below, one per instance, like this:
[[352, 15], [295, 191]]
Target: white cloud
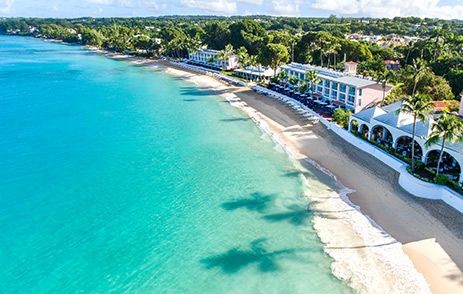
[[101, 2], [391, 8], [143, 4], [6, 6], [256, 2], [286, 7], [218, 6], [140, 4]]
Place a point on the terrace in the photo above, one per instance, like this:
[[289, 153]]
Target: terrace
[[315, 101]]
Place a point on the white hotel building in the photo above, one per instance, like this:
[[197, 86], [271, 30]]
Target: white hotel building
[[393, 128], [355, 92], [208, 57]]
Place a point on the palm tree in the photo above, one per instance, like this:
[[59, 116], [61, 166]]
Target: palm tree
[[313, 78], [447, 128], [243, 56], [336, 48], [281, 76], [332, 48], [420, 107], [251, 60], [417, 70], [226, 53], [438, 36], [293, 80], [314, 46], [383, 78]]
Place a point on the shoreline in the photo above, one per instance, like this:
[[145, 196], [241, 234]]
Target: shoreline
[[287, 130], [349, 262]]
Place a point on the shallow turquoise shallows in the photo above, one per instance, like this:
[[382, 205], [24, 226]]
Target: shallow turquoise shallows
[[117, 178]]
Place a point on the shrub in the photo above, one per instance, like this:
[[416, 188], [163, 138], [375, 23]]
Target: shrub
[[441, 180], [419, 164], [342, 117]]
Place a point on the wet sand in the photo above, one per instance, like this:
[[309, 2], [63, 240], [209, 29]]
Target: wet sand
[[376, 192]]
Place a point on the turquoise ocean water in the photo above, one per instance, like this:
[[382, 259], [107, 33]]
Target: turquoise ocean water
[[117, 178]]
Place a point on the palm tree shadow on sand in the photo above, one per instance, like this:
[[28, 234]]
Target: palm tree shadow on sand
[[255, 202], [235, 259]]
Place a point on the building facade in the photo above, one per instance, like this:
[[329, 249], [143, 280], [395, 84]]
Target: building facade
[[392, 128], [357, 93], [392, 64], [208, 57], [255, 73]]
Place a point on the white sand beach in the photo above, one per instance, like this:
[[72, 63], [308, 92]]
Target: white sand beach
[[364, 229]]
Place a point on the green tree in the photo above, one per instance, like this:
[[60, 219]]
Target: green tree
[[273, 55], [216, 35], [142, 42], [438, 38], [92, 37], [420, 78], [118, 38], [371, 67], [281, 76], [342, 117], [383, 78], [293, 80], [447, 128], [243, 55], [249, 34], [416, 71], [312, 77], [419, 106], [226, 53]]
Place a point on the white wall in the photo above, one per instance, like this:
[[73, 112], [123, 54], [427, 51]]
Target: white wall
[[410, 183], [397, 133]]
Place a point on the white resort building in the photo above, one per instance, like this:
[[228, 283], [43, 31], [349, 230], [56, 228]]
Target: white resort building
[[208, 57], [357, 93], [392, 128], [259, 73]]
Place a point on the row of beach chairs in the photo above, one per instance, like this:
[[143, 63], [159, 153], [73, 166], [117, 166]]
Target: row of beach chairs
[[295, 105]]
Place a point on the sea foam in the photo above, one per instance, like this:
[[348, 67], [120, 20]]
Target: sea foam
[[363, 254]]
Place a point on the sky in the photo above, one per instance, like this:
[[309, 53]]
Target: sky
[[445, 9]]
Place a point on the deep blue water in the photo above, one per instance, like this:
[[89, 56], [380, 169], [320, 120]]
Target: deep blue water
[[117, 178]]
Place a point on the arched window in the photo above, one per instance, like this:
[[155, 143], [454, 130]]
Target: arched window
[[363, 130], [404, 147], [354, 125], [382, 135], [449, 165]]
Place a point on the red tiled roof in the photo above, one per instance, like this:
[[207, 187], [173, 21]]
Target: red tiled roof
[[439, 105], [391, 61]]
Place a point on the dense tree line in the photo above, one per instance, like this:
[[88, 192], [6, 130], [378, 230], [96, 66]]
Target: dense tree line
[[272, 41]]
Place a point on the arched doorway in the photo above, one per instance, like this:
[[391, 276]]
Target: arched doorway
[[449, 165], [364, 130], [382, 135], [404, 148], [354, 125]]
